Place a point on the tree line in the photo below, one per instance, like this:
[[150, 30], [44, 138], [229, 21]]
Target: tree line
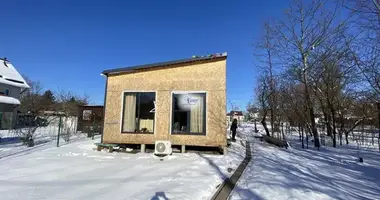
[[321, 60], [36, 100]]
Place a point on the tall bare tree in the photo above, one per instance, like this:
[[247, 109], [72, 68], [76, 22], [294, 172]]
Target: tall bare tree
[[265, 54], [306, 27], [262, 89], [32, 105], [366, 51]]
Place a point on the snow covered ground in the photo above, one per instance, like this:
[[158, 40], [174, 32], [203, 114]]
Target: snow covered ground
[[77, 171], [296, 173], [45, 137]]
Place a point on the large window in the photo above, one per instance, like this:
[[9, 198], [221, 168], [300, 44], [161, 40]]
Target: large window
[[189, 113], [138, 112]]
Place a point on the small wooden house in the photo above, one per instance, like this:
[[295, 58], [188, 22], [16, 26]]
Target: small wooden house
[[183, 101]]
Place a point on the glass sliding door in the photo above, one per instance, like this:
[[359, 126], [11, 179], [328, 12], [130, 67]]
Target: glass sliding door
[[138, 112]]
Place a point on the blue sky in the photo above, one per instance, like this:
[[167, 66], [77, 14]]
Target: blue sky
[[67, 44]]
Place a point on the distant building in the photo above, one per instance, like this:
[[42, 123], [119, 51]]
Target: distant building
[[90, 118], [236, 115], [254, 115], [12, 84]]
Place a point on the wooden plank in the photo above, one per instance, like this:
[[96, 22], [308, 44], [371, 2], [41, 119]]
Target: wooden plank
[[105, 145], [228, 184]]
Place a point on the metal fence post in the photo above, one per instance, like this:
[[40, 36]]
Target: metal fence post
[[93, 128], [59, 129]]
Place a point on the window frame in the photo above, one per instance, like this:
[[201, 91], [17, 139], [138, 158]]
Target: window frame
[[91, 113], [172, 113], [122, 111]]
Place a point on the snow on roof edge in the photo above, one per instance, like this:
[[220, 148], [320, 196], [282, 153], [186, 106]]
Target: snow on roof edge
[[9, 100], [8, 71]]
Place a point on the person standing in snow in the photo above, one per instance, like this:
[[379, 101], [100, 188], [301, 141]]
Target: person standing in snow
[[233, 129]]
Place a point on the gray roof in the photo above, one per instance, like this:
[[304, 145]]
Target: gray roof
[[162, 64]]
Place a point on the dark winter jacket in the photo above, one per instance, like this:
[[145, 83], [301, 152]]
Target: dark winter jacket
[[233, 127]]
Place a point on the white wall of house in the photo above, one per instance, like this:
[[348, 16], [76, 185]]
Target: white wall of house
[[239, 118], [69, 124], [8, 111], [13, 90], [11, 84]]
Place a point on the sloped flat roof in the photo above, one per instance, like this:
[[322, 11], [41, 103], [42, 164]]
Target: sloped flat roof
[[10, 76], [91, 106], [163, 64]]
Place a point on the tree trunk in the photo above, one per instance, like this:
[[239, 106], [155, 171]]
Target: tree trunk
[[333, 124], [303, 145], [363, 132], [341, 131], [314, 127], [346, 132], [282, 130], [264, 123], [309, 103], [334, 138], [378, 112], [272, 120], [328, 124], [299, 131]]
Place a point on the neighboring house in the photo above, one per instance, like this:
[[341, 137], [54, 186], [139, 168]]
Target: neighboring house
[[11, 85], [236, 115], [183, 101], [90, 117], [254, 115], [53, 118]]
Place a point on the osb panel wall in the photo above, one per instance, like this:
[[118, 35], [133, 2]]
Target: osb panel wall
[[206, 76]]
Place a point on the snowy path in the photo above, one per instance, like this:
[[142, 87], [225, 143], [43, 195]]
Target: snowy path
[[296, 173], [76, 171]]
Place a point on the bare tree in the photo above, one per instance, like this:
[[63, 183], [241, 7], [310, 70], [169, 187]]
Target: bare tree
[[368, 12], [265, 52], [317, 53], [332, 78], [262, 89], [31, 104], [366, 50], [67, 107], [306, 27], [31, 98]]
